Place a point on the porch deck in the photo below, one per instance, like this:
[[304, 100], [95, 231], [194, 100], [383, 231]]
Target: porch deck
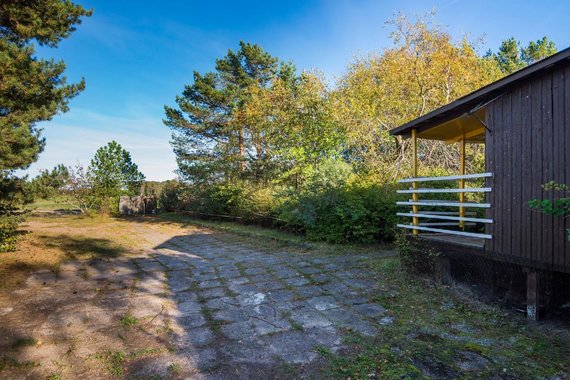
[[465, 241]]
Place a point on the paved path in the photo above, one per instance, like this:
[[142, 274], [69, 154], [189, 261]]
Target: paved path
[[224, 310]]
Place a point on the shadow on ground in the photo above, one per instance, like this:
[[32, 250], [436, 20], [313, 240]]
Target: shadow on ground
[[191, 306]]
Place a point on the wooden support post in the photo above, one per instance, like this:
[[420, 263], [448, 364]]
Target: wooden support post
[[443, 270], [415, 197], [462, 181], [534, 295]]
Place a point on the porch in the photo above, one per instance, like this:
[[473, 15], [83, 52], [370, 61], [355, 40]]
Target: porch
[[453, 218]]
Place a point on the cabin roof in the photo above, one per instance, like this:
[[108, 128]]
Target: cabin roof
[[459, 112]]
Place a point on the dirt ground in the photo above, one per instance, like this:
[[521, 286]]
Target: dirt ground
[[66, 294]]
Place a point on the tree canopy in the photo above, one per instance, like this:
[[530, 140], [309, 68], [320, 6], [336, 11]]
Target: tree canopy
[[256, 139], [212, 138], [31, 90], [512, 57], [424, 69], [112, 172]]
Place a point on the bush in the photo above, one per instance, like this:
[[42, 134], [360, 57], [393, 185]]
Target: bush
[[170, 196], [337, 206], [347, 214], [14, 195], [331, 204], [10, 218]]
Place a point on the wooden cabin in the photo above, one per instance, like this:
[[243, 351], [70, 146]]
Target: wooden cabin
[[524, 121]]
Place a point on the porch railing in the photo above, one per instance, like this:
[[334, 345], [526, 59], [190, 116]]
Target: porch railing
[[460, 218]]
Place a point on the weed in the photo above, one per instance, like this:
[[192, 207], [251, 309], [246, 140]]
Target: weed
[[241, 268], [144, 353], [214, 324], [289, 369], [114, 360], [72, 346], [323, 351], [175, 368], [84, 274], [129, 321]]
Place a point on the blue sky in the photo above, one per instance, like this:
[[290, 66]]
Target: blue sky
[[136, 56]]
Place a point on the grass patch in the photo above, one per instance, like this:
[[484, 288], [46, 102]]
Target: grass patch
[[114, 361], [128, 321], [271, 238], [48, 241], [50, 205], [434, 325], [9, 363]]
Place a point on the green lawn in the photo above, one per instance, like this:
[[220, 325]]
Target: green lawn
[[52, 204]]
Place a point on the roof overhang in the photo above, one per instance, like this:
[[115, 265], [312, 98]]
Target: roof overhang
[[468, 125], [467, 113]]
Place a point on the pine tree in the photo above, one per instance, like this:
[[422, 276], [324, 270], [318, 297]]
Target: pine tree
[[512, 57], [535, 51], [212, 139], [112, 172], [31, 90]]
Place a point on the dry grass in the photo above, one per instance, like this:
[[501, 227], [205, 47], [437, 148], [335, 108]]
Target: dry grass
[[48, 240]]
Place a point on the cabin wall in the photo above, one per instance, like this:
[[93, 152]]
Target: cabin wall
[[528, 145]]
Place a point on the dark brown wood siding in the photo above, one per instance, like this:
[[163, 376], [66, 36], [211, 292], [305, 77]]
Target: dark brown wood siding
[[529, 145]]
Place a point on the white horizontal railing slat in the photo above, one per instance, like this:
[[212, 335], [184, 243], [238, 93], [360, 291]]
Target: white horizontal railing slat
[[444, 204], [441, 230], [445, 217], [469, 213], [446, 178], [442, 224], [435, 191]]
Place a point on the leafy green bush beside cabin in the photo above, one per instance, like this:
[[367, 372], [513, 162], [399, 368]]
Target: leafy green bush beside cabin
[[559, 207]]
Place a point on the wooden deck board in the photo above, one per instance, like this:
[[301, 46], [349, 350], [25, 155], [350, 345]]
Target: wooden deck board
[[455, 240]]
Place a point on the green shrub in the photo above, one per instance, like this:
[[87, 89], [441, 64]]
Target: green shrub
[[170, 196], [337, 206], [225, 199], [559, 207], [10, 218], [329, 203], [347, 214], [14, 195]]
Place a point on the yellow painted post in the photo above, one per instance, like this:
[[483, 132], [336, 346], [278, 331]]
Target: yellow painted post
[[415, 198], [462, 181]]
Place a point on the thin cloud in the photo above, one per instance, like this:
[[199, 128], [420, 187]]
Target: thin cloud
[[76, 136]]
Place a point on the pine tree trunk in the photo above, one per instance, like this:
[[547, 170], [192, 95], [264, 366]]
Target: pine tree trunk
[[241, 150]]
